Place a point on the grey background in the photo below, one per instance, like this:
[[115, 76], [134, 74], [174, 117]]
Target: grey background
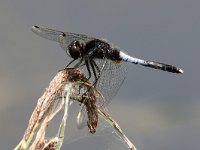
[[157, 110]]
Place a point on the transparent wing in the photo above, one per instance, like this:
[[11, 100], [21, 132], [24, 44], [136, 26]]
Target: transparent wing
[[47, 33], [64, 38], [111, 79], [108, 85]]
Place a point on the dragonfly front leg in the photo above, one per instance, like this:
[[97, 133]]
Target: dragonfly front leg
[[70, 63], [78, 64]]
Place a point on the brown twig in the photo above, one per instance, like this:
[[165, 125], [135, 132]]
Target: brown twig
[[44, 111]]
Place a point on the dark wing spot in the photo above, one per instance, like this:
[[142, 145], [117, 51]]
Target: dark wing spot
[[36, 27]]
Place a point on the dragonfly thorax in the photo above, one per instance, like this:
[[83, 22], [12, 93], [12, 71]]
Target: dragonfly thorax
[[96, 48]]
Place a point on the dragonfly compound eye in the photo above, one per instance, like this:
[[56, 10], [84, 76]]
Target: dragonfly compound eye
[[74, 49]]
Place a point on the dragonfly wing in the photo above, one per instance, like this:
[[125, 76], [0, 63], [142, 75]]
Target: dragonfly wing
[[64, 38], [110, 81], [82, 118], [108, 84], [47, 33]]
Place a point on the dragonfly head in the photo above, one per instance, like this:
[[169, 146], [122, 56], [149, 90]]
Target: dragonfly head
[[74, 49]]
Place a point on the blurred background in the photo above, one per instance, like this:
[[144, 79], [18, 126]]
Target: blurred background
[[157, 110]]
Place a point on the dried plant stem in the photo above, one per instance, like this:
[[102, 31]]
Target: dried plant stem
[[44, 110], [61, 90], [117, 128]]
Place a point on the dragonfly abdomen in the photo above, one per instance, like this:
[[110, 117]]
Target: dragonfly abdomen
[[151, 64], [161, 66]]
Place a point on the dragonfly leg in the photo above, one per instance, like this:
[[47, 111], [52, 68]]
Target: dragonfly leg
[[103, 66], [70, 63], [78, 64], [75, 66], [91, 63], [88, 68], [95, 65], [94, 68], [99, 71]]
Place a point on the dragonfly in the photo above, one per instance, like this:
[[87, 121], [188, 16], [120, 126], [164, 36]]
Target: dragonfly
[[101, 61]]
